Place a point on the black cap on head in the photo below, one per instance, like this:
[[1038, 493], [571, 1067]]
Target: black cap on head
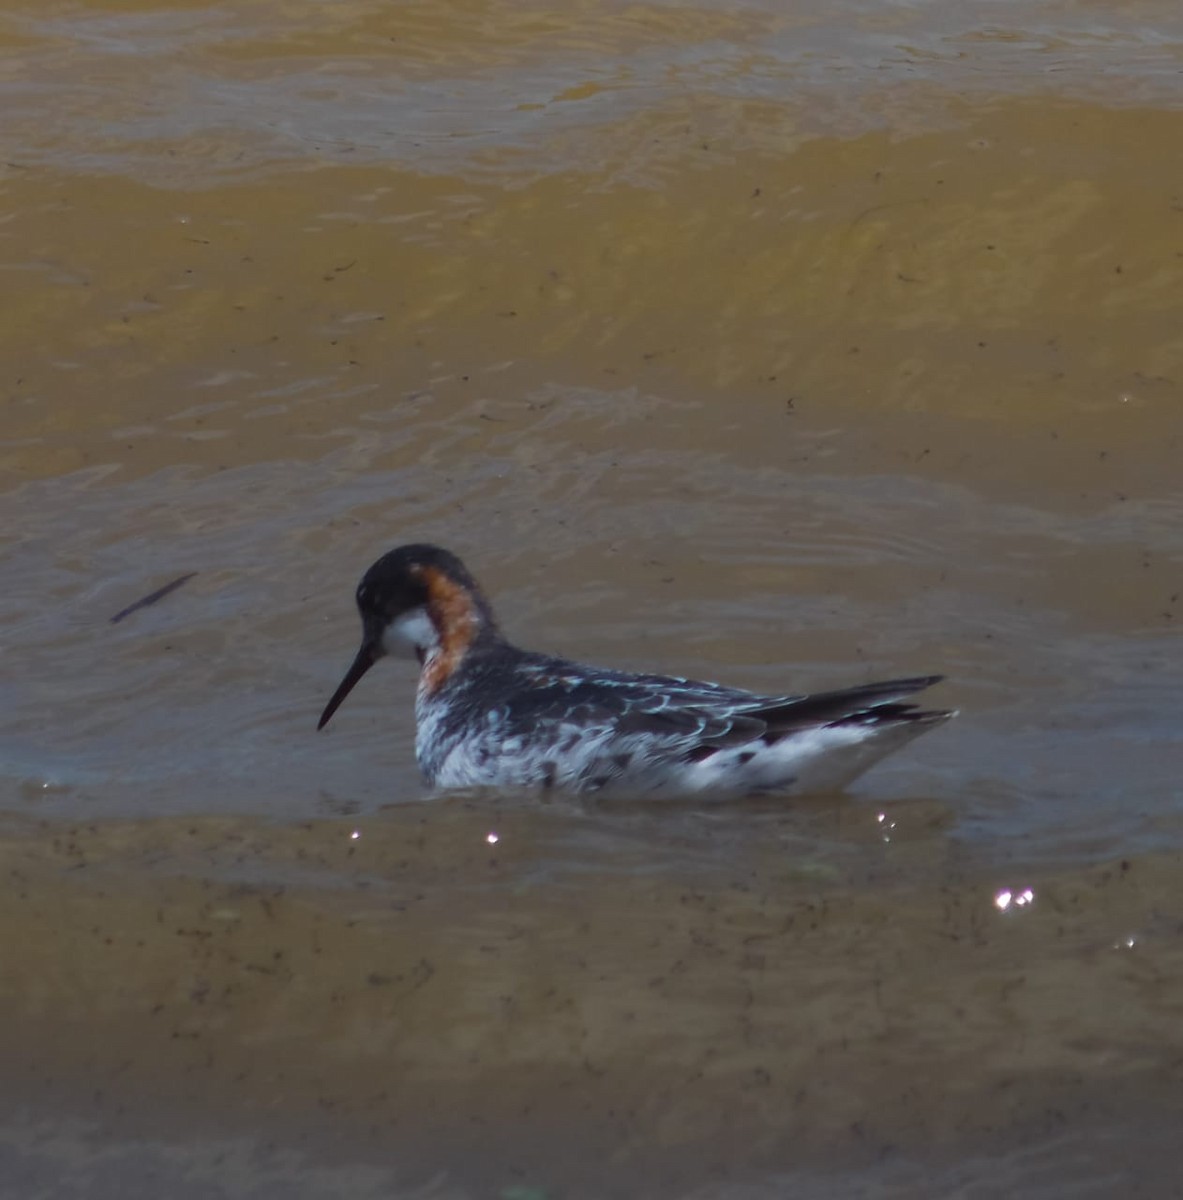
[[396, 583], [400, 582]]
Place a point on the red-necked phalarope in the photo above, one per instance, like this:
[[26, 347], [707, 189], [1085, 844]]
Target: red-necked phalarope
[[489, 714]]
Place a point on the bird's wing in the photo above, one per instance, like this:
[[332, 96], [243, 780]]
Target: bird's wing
[[663, 707], [695, 714], [870, 703]]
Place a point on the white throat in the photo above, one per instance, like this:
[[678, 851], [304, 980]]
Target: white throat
[[411, 635]]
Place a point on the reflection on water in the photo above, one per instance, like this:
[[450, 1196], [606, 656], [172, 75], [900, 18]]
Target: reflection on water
[[433, 88], [789, 348]]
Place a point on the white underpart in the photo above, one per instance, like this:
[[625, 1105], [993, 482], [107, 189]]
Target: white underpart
[[410, 635], [821, 759]]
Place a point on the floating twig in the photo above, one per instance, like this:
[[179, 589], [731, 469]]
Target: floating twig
[[152, 597]]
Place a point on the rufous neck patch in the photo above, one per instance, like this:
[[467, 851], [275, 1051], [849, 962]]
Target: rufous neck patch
[[457, 620]]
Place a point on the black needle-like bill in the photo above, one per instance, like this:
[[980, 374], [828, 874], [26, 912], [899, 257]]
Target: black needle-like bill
[[367, 656]]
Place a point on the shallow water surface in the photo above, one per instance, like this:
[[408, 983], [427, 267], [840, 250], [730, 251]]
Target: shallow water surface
[[791, 348]]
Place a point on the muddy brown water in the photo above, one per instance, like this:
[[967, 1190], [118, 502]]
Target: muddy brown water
[[791, 348]]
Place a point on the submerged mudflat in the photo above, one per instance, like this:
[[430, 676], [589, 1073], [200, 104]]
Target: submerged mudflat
[[365, 994]]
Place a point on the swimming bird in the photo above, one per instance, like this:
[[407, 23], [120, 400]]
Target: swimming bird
[[490, 714]]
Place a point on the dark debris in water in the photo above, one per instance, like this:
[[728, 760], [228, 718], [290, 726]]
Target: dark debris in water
[[152, 597]]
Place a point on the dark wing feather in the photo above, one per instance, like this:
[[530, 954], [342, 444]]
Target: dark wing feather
[[707, 715], [543, 690], [869, 703]]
